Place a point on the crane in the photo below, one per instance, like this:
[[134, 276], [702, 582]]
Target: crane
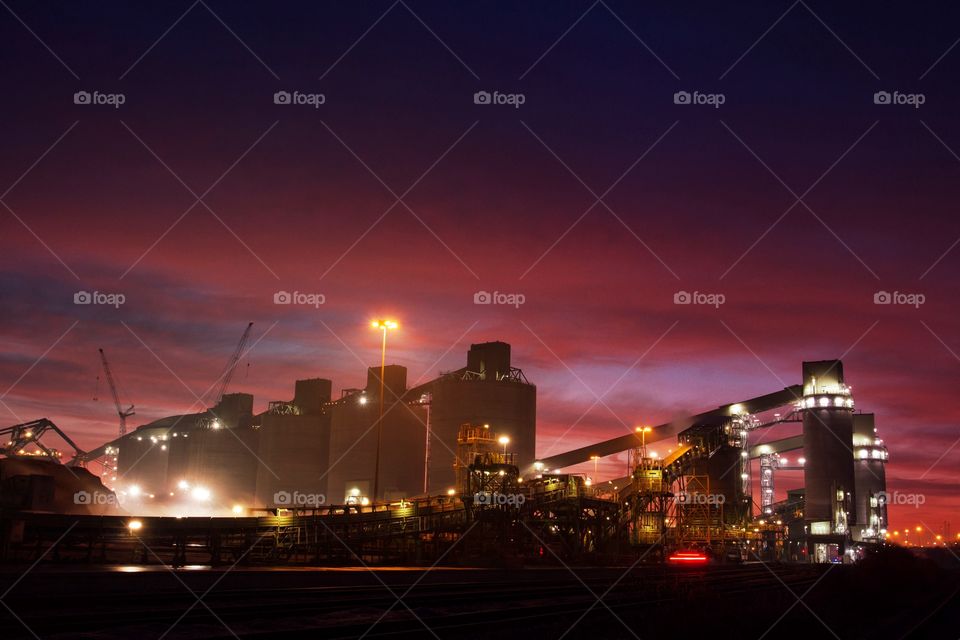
[[124, 414], [232, 364]]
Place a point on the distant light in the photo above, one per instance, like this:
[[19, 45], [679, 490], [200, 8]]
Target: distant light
[[215, 424], [183, 484], [802, 460], [134, 490], [355, 491], [363, 400], [237, 509], [134, 525], [504, 440], [200, 493], [538, 466], [451, 492], [364, 501]]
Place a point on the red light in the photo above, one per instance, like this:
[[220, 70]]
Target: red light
[[688, 556]]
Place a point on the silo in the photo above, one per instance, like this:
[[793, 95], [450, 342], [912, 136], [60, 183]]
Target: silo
[[353, 441], [870, 480], [827, 407], [294, 448], [488, 391]]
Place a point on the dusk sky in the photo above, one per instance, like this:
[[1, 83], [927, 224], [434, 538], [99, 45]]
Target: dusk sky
[[597, 199]]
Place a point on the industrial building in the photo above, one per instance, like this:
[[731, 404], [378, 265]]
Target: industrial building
[[457, 455], [316, 449]]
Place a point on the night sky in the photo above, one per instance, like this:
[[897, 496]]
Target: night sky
[[598, 199]]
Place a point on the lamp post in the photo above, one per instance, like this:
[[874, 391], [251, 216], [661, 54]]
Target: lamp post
[[504, 440], [643, 431], [382, 325]]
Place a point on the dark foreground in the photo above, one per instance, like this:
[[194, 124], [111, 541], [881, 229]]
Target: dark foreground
[[895, 596]]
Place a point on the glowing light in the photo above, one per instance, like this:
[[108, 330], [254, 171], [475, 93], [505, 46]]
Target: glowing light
[[384, 324], [134, 525], [134, 490], [504, 440], [200, 493], [451, 492], [183, 484], [215, 424], [237, 509], [363, 400], [688, 556]]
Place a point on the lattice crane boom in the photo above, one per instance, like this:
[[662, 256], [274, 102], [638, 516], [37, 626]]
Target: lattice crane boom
[[232, 364], [121, 412]]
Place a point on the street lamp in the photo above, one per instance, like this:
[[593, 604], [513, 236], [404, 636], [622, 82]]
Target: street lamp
[[382, 325], [504, 440]]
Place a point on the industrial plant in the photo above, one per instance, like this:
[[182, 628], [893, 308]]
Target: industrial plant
[[447, 468]]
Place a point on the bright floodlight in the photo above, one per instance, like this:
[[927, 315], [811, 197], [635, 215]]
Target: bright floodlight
[[363, 400], [237, 509], [134, 525], [200, 493], [183, 484], [504, 440], [384, 324], [134, 490], [451, 492]]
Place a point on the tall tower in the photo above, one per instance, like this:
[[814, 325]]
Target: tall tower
[[828, 473]]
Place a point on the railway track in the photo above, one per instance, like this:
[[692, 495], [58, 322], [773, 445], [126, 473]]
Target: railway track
[[349, 611]]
